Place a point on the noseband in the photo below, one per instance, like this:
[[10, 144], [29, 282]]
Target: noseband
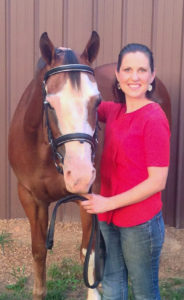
[[81, 137]]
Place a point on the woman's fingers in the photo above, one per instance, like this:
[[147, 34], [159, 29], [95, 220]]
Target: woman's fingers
[[95, 203]]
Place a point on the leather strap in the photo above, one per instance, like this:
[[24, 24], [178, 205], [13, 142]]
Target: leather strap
[[95, 236], [69, 68]]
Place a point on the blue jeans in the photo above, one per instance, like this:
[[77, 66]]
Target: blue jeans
[[133, 252]]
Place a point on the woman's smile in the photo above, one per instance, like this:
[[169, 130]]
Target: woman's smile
[[134, 86]]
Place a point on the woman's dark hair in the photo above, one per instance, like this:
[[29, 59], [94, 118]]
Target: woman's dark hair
[[118, 93]]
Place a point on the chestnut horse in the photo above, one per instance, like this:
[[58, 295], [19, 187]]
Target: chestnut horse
[[54, 124]]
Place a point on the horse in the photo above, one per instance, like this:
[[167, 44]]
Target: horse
[[52, 142]]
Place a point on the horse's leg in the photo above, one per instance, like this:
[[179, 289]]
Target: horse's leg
[[38, 218], [86, 222]]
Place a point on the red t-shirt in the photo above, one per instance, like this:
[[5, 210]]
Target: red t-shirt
[[133, 142]]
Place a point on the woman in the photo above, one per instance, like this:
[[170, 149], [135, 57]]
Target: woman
[[134, 170]]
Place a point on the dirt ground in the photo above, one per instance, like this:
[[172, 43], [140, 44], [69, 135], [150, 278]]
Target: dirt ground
[[66, 245]]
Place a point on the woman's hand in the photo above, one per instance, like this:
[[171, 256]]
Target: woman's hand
[[96, 204]]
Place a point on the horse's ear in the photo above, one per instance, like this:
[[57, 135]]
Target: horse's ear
[[47, 48], [90, 52]]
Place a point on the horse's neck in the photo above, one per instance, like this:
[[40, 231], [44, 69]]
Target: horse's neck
[[34, 105]]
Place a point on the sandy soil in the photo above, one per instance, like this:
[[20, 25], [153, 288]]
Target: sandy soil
[[67, 243]]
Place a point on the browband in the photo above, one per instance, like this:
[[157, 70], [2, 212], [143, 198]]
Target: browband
[[68, 68]]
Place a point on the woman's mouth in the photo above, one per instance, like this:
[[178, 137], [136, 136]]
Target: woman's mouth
[[134, 86]]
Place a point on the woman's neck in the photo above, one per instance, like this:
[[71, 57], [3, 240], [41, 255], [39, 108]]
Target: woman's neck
[[133, 104]]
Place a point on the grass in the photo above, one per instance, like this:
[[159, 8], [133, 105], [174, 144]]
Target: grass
[[67, 276], [17, 291], [61, 279], [21, 280], [5, 238], [65, 280], [172, 289]]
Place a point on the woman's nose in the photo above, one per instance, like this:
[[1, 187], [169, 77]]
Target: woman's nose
[[135, 76]]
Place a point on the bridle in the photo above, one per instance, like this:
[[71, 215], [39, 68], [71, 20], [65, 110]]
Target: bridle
[[61, 140], [57, 142]]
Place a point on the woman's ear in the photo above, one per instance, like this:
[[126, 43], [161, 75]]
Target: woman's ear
[[152, 77], [117, 75]]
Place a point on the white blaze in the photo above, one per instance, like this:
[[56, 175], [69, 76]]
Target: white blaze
[[71, 106]]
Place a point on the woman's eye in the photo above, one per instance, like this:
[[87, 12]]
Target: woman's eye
[[142, 70], [126, 70]]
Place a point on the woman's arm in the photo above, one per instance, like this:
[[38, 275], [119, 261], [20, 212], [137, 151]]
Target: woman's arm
[[156, 181]]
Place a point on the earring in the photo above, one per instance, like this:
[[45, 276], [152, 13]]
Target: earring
[[150, 88], [118, 86]]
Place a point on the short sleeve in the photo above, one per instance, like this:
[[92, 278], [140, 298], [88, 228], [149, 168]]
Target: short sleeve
[[103, 110], [157, 140]]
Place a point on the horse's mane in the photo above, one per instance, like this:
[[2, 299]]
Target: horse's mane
[[69, 58]]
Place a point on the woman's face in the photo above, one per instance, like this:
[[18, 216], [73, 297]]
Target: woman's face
[[135, 74]]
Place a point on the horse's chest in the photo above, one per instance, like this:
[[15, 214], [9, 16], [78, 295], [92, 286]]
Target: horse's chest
[[49, 188]]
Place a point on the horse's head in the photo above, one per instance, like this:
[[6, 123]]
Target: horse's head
[[71, 99]]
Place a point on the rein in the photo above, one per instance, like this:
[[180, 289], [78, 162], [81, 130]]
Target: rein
[[99, 242], [78, 136]]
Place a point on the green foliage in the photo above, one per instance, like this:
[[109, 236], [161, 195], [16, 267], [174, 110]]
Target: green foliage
[[65, 280], [172, 289], [67, 276], [16, 296], [18, 291], [21, 279], [5, 238]]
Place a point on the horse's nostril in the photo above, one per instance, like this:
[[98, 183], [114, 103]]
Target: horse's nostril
[[80, 176]]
